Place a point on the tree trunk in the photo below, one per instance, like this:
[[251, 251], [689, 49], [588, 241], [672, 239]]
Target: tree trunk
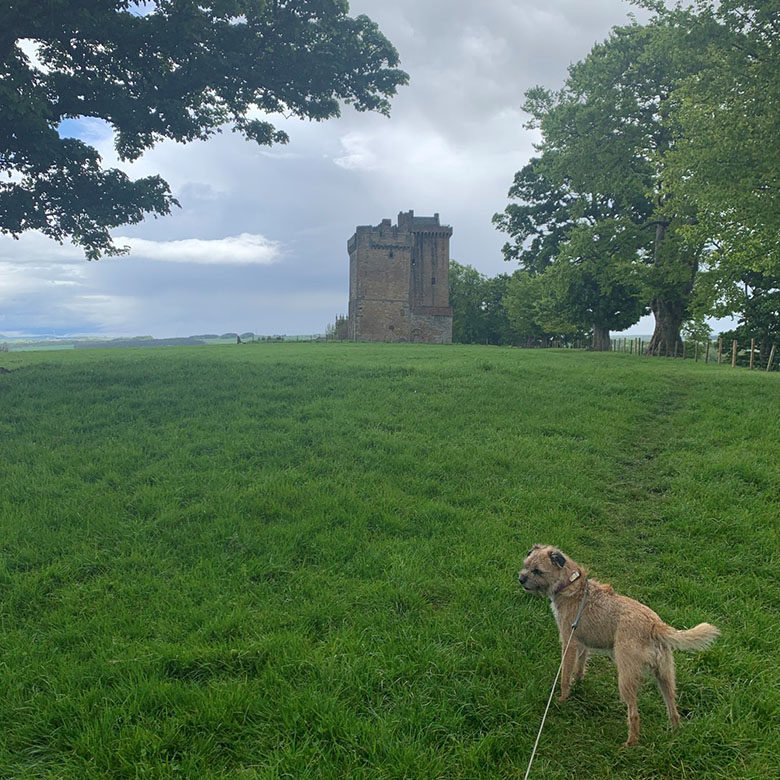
[[670, 308], [666, 336], [601, 338]]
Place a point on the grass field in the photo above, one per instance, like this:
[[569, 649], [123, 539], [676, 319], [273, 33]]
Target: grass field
[[300, 560]]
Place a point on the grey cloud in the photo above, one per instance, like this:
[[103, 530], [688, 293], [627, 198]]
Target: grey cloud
[[470, 61]]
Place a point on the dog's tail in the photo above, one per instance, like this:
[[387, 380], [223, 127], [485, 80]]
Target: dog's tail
[[697, 638]]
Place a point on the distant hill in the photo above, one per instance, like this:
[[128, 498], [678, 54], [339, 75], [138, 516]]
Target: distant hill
[[138, 342]]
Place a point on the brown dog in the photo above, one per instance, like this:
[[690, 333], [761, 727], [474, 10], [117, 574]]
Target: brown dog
[[625, 629]]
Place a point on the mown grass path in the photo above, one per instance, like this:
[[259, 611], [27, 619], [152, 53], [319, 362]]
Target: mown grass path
[[300, 560]]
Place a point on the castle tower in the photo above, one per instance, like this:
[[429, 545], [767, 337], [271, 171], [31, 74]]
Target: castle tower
[[399, 281]]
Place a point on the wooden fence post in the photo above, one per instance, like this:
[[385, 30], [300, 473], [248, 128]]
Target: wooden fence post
[[720, 350], [707, 355], [696, 353], [752, 352], [771, 358], [734, 354]]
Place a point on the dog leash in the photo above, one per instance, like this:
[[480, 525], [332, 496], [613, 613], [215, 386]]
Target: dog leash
[[555, 681]]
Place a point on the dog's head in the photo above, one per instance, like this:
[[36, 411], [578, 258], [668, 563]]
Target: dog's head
[[546, 570]]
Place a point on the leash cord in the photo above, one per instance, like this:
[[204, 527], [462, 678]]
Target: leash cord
[[555, 681]]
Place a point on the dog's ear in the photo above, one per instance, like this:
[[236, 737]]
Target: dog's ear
[[535, 547], [557, 558]]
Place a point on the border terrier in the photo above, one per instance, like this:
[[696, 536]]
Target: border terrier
[[631, 633]]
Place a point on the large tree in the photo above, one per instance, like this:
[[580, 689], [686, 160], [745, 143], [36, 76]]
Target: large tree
[[605, 136], [725, 164], [727, 117], [585, 249], [162, 69]]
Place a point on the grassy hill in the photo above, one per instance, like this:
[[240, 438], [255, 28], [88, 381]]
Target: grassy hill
[[300, 560]]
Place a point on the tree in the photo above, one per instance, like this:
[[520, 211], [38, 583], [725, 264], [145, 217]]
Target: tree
[[534, 317], [521, 299], [583, 248], [467, 299], [182, 71], [604, 139], [595, 283], [755, 297], [697, 332], [499, 326], [478, 314], [727, 162]]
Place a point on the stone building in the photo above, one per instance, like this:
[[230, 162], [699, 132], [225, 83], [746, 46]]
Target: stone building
[[399, 281]]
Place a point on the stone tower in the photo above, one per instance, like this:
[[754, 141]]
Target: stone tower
[[399, 281]]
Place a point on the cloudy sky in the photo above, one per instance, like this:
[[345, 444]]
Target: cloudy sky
[[259, 243]]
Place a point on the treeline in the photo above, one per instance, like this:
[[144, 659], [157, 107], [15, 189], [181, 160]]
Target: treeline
[[656, 188], [501, 311]]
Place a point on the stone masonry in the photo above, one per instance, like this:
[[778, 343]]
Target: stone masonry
[[399, 281]]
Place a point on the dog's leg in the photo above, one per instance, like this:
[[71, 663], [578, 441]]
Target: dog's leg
[[664, 676], [566, 672], [581, 663], [629, 677]]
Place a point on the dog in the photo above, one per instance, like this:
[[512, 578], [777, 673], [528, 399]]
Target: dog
[[630, 632]]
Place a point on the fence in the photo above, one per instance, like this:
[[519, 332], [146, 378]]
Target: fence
[[719, 352], [283, 338]]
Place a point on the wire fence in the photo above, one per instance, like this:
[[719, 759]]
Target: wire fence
[[720, 352]]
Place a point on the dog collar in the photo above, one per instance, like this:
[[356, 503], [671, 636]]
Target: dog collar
[[575, 575]]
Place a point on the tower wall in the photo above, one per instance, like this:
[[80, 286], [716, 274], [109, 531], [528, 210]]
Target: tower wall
[[399, 281]]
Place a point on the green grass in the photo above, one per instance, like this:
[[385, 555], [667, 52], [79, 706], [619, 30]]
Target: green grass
[[300, 560]]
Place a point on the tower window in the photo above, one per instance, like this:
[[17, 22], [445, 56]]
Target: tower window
[[433, 280]]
